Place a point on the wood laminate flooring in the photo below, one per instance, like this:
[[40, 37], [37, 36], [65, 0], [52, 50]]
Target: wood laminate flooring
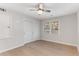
[[42, 48]]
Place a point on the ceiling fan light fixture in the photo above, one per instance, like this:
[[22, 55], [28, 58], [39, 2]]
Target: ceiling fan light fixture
[[40, 12], [41, 6], [40, 9]]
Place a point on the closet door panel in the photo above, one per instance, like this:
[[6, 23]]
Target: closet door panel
[[28, 31], [4, 26], [36, 31]]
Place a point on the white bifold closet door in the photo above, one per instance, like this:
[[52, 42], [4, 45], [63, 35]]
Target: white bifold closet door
[[4, 25], [28, 31]]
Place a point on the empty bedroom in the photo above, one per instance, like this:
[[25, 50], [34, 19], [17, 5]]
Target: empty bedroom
[[39, 29]]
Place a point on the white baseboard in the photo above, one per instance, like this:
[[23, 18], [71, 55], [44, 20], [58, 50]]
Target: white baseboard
[[33, 41], [16, 46], [11, 48], [29, 41], [61, 42]]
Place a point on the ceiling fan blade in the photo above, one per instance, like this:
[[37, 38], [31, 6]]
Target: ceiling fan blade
[[47, 10], [32, 9]]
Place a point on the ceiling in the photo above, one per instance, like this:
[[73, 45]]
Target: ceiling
[[58, 9]]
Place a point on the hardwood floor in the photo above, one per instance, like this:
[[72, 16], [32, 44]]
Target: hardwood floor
[[42, 48]]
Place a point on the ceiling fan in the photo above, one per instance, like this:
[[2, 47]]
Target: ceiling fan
[[40, 9]]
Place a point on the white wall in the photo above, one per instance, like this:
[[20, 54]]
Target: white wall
[[78, 30], [16, 31], [67, 33]]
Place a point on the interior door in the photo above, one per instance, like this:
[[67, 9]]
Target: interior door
[[4, 26], [36, 31], [28, 31]]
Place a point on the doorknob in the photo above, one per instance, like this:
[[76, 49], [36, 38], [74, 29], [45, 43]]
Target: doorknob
[[8, 26]]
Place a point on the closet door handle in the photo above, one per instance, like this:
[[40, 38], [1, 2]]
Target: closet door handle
[[8, 26]]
